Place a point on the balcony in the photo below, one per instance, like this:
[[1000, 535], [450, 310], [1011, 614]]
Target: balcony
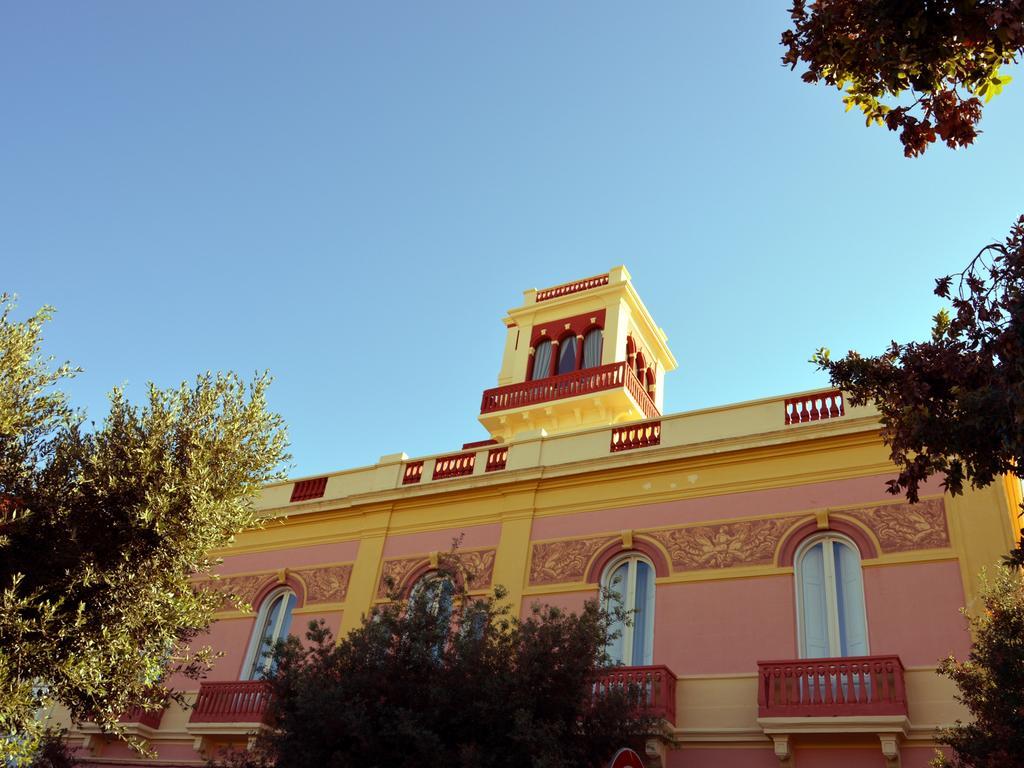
[[658, 684], [236, 708], [855, 685], [604, 395], [861, 696]]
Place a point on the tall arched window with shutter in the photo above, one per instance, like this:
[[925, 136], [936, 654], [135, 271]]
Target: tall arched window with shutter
[[630, 582], [272, 624], [592, 348], [830, 598], [541, 360]]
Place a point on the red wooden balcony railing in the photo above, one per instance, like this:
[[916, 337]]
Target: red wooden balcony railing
[[657, 684], [575, 287], [454, 466], [413, 472], [145, 717], [582, 382], [243, 701], [497, 459], [820, 405], [854, 685], [635, 436]]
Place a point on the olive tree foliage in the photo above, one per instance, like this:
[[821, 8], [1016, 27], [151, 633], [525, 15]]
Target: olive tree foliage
[[953, 406], [425, 683], [991, 681], [103, 530], [924, 68]]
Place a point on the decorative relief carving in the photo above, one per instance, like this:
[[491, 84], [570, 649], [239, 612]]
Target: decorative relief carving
[[905, 527], [236, 590], [558, 561], [326, 585], [725, 545], [898, 527], [476, 565], [393, 573]]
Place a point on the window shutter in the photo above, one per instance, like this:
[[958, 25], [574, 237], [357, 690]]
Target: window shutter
[[815, 607], [850, 601]]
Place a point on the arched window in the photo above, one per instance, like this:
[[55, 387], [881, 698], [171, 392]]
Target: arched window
[[630, 579], [567, 355], [592, 348], [272, 624], [641, 366], [830, 598], [542, 360], [437, 591]]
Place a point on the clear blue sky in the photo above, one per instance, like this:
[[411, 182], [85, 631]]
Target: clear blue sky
[[351, 194]]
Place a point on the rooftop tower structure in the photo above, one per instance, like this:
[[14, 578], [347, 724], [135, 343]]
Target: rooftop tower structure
[[578, 355]]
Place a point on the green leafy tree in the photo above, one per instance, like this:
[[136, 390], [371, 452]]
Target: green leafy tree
[[953, 406], [103, 529], [933, 62], [446, 680], [991, 681]]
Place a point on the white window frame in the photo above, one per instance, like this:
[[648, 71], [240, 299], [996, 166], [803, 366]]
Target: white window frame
[[249, 670], [629, 602], [831, 591]]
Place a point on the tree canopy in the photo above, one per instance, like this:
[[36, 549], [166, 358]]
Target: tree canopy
[[444, 680], [924, 69], [104, 528], [953, 406], [991, 681]]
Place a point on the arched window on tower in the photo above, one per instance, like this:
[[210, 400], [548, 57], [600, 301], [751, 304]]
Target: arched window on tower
[[592, 348], [272, 624], [567, 354], [630, 580], [641, 366], [830, 598], [542, 360]]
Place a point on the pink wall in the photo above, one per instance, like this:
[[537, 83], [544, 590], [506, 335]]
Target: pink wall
[[724, 626], [569, 601], [913, 611], [335, 552], [868, 757], [707, 757], [862, 490], [441, 541]]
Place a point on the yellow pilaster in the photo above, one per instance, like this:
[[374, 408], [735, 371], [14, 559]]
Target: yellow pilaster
[[362, 587], [512, 557]]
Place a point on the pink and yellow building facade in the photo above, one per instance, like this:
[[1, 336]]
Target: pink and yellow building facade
[[788, 611]]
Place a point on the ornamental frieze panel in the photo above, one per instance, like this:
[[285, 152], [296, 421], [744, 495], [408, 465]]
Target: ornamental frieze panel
[[328, 584], [553, 562], [237, 591], [393, 573], [905, 527], [724, 545], [476, 565]]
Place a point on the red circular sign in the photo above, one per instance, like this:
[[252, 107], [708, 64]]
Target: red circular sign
[[626, 758]]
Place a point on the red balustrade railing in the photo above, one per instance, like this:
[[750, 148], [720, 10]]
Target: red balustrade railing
[[309, 489], [657, 687], [820, 405], [497, 458], [582, 382], [243, 701], [454, 466], [146, 717], [854, 685], [575, 287], [413, 472], [636, 436]]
